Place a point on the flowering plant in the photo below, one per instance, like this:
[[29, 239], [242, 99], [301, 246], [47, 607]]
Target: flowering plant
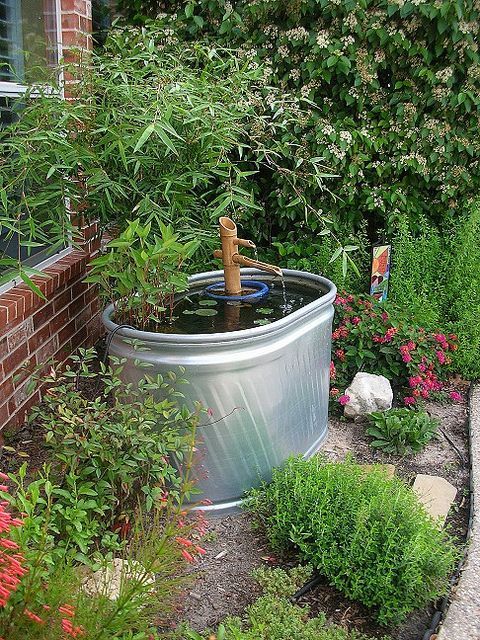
[[368, 337]]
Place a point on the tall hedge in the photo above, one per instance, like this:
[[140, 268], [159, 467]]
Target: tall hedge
[[396, 90]]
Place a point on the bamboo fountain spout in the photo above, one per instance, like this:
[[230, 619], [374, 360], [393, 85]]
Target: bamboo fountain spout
[[232, 259]]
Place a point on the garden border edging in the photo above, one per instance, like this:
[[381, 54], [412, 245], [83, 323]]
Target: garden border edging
[[461, 620]]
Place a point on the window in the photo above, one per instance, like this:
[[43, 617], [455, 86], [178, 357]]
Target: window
[[29, 53]]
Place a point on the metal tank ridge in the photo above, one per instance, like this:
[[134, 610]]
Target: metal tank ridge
[[267, 387]]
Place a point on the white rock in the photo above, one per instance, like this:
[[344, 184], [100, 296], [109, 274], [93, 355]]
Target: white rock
[[108, 580], [368, 392]]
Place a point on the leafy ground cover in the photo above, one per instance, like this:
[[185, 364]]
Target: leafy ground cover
[[111, 486]]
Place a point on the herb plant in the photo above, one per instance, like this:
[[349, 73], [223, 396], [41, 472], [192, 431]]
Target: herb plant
[[274, 617], [401, 430], [367, 533]]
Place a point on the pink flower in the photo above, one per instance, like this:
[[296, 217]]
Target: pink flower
[[440, 356], [333, 372], [334, 391], [414, 381], [455, 396], [409, 400], [343, 400], [4, 477], [407, 357], [340, 353], [356, 320]]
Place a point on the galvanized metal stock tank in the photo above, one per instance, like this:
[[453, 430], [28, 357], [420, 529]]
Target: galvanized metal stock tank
[[267, 387]]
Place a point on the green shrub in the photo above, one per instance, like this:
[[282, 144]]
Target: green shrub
[[463, 298], [366, 533], [113, 453], [401, 430], [418, 272], [274, 617], [395, 87]]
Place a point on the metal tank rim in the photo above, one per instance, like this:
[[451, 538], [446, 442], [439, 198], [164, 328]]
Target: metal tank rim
[[207, 339]]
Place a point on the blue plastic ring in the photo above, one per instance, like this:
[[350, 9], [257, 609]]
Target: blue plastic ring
[[262, 290]]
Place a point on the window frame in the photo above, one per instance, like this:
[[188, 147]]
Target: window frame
[[17, 90]]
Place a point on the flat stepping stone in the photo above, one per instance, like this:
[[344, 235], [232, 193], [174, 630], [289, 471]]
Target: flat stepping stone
[[436, 494]]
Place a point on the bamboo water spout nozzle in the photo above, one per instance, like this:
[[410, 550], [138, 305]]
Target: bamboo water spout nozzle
[[232, 259]]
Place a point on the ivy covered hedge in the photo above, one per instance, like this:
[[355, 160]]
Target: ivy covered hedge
[[395, 87]]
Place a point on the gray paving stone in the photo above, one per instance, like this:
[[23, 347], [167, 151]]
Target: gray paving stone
[[462, 620]]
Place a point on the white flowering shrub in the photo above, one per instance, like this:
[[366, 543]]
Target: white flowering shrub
[[395, 86]]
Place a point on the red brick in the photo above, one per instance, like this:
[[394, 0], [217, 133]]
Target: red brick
[[39, 337], [4, 415], [10, 305], [59, 320], [70, 21], [15, 359], [46, 351], [83, 318], [63, 353], [43, 315], [62, 300], [78, 338], [77, 306], [19, 415], [3, 347], [66, 333], [20, 334], [78, 288], [6, 390]]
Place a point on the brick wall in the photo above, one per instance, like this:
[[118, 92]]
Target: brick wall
[[33, 331]]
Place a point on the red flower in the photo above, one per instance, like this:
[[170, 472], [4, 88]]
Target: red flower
[[409, 400]]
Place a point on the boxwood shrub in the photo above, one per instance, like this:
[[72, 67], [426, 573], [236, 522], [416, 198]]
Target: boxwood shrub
[[365, 532]]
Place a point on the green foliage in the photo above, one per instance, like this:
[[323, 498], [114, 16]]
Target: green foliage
[[368, 337], [418, 272], [115, 452], [140, 275], [395, 87], [365, 532], [464, 292], [315, 256], [274, 617], [401, 430]]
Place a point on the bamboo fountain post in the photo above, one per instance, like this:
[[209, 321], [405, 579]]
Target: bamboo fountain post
[[232, 259]]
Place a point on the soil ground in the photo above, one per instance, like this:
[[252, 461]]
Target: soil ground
[[223, 583]]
